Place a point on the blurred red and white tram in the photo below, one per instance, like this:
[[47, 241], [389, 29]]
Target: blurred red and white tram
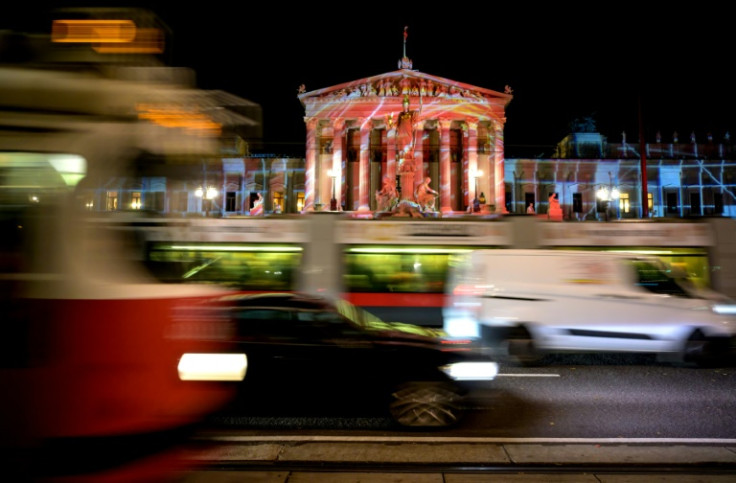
[[396, 268], [92, 348]]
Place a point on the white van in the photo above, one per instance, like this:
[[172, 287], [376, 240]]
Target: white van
[[525, 303]]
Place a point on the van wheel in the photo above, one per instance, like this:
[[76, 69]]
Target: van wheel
[[704, 351], [521, 349]]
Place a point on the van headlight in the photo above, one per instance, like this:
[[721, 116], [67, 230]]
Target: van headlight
[[471, 371], [460, 326], [725, 309]]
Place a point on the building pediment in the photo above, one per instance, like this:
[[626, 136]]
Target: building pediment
[[405, 82]]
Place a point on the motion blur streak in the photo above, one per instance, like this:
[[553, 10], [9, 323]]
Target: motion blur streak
[[91, 343], [85, 31]]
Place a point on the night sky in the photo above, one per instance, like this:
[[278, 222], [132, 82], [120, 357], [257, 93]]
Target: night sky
[[562, 64]]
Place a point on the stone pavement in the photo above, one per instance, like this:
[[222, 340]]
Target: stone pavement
[[422, 462]]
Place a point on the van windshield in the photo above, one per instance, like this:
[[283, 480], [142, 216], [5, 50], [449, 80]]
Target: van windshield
[[655, 278]]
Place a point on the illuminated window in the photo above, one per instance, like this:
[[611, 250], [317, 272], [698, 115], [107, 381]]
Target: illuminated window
[[278, 200], [135, 200], [650, 202], [111, 202], [299, 201], [623, 202]]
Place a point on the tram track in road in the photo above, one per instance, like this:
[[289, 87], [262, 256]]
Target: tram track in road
[[291, 453], [672, 471]]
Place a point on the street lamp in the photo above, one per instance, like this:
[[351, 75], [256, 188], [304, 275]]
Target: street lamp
[[606, 194], [333, 201], [207, 196]]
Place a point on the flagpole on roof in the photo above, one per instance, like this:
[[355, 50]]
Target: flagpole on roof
[[405, 62], [406, 34]]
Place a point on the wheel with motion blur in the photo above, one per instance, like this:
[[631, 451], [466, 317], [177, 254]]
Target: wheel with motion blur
[[519, 348], [426, 404], [704, 351]]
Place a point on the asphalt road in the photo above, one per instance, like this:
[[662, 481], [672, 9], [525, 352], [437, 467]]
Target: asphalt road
[[568, 397], [602, 418]]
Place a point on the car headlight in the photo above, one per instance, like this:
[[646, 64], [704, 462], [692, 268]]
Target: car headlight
[[471, 371], [212, 367]]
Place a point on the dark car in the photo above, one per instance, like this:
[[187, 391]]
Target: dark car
[[308, 354]]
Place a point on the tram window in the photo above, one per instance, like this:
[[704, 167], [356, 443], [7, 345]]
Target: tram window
[[242, 270], [396, 272]]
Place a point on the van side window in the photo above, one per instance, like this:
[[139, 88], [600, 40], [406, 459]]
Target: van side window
[[655, 279]]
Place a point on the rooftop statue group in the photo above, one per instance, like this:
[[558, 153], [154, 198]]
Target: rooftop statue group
[[387, 199], [411, 202]]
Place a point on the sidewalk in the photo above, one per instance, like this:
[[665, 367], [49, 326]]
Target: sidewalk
[[464, 462]]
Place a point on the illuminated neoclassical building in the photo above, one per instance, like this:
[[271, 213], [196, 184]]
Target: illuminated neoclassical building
[[404, 126]]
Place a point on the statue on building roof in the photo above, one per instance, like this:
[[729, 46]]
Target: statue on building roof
[[586, 124], [406, 132], [387, 197], [425, 195]]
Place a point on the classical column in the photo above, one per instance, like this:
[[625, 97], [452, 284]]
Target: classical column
[[472, 150], [311, 163], [364, 187], [419, 154], [338, 130], [445, 178], [499, 191], [467, 200]]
